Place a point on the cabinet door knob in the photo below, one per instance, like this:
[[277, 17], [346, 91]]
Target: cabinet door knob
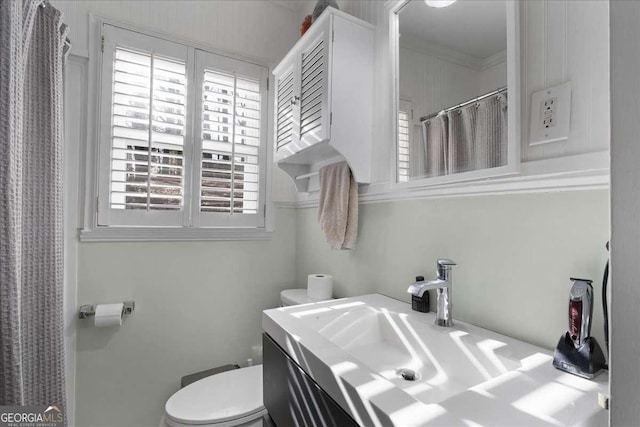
[[295, 100]]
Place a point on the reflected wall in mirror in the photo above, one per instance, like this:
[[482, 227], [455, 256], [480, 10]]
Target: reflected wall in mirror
[[453, 120]]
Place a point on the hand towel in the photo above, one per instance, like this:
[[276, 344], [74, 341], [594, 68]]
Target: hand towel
[[338, 209]]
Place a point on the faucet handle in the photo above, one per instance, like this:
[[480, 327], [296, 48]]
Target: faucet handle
[[444, 268], [444, 262]]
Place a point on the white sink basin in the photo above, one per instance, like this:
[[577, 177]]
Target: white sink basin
[[444, 361], [358, 348]]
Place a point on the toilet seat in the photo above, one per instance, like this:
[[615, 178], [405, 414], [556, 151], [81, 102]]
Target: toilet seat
[[229, 398]]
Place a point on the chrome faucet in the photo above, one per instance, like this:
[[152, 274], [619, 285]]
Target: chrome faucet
[[442, 285]]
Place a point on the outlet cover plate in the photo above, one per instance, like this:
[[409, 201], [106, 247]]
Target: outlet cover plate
[[550, 114]]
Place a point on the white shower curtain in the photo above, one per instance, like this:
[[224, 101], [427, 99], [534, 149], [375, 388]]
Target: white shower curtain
[[470, 138], [32, 51]]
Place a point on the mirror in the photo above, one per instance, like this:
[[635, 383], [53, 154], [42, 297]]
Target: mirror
[[457, 83]]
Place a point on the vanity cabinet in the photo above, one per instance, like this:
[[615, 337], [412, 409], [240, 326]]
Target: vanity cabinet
[[323, 96], [292, 397]]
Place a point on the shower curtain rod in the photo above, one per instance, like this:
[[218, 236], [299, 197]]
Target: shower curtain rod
[[471, 101]]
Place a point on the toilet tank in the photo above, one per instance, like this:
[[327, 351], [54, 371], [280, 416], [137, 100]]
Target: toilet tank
[[295, 297]]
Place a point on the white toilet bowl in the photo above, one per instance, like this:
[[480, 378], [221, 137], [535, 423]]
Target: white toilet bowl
[[232, 398], [229, 399]]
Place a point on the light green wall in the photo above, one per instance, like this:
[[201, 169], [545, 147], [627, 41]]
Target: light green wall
[[515, 255], [198, 305]]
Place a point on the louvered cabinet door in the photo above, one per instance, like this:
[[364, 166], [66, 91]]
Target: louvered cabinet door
[[314, 116], [285, 129]]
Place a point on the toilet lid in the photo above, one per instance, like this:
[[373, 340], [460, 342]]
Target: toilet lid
[[218, 398], [295, 297]]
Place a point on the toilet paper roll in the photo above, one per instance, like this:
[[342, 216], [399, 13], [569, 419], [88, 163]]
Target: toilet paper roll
[[320, 286], [108, 315]]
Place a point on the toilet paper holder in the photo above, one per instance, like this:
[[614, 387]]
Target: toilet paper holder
[[89, 310]]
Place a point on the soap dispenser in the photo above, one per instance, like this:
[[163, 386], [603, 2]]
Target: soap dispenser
[[420, 304]]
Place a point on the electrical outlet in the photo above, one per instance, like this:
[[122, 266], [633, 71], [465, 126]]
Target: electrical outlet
[[550, 114]]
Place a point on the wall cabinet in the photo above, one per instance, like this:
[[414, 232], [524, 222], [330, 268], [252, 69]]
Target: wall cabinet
[[323, 99]]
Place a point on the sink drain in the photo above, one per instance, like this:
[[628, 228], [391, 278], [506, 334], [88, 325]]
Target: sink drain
[[408, 374]]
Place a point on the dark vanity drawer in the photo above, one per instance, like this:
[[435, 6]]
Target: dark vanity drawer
[[292, 397]]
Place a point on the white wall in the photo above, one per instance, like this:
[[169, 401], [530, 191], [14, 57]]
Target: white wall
[[74, 107], [261, 29], [493, 77], [197, 304], [433, 84], [434, 78], [561, 41], [625, 207]]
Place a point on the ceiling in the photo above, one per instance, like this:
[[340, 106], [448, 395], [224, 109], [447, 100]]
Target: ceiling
[[472, 27], [295, 5]]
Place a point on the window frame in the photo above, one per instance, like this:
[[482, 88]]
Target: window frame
[[98, 147]]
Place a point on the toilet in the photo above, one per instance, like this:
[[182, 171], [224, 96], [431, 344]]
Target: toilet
[[232, 398]]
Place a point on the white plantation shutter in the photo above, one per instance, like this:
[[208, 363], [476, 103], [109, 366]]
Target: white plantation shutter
[[230, 144], [403, 145], [232, 115], [148, 127], [144, 130]]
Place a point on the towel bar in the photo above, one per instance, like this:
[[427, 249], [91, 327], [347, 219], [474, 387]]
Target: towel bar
[[306, 175]]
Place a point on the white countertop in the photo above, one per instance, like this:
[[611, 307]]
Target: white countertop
[[517, 385]]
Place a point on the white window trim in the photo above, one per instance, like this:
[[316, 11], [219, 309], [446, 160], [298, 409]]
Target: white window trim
[[89, 229], [166, 234]]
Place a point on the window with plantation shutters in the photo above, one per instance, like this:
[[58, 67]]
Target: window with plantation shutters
[[182, 136]]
